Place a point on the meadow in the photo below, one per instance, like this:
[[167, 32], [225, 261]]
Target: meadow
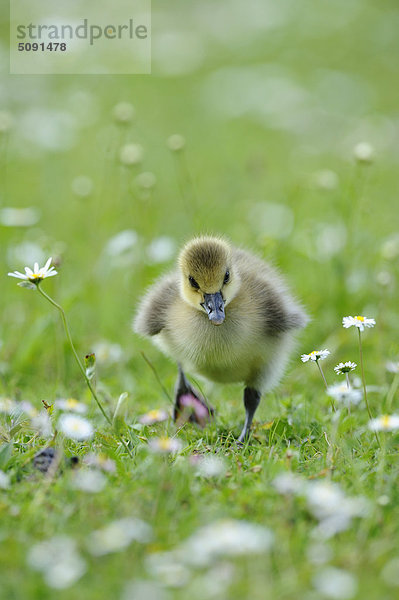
[[275, 125]]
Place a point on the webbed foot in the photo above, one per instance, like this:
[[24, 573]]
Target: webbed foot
[[189, 404]]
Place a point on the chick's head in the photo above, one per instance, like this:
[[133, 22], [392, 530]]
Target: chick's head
[[209, 280]]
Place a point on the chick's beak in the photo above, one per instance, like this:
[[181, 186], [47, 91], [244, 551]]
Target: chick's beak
[[214, 306]]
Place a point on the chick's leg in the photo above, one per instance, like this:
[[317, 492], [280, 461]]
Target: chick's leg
[[189, 404], [251, 403]]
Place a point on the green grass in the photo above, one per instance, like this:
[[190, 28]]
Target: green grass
[[339, 255]]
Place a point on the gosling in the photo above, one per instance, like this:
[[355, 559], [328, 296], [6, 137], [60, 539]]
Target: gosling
[[224, 314]]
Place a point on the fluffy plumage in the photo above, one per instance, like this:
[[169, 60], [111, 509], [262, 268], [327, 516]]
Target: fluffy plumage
[[224, 314]]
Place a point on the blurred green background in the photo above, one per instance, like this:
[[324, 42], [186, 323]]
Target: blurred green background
[[271, 99]]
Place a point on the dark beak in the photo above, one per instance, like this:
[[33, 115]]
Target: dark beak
[[214, 306]]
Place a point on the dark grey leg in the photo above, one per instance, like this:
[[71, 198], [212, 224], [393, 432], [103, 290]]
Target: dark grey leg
[[251, 403], [189, 401]]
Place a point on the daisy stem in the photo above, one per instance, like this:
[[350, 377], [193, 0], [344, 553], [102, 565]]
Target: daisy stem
[[322, 374], [392, 391], [347, 381], [325, 383], [81, 367], [364, 383]]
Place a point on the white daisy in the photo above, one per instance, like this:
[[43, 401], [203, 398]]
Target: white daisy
[[358, 321], [37, 274], [364, 152], [71, 404], [165, 445], [75, 427], [315, 355], [392, 367], [342, 393], [157, 415], [176, 142], [343, 368], [131, 154], [384, 423]]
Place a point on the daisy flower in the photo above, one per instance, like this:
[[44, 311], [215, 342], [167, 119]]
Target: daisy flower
[[165, 445], [342, 393], [343, 368], [358, 321], [315, 355], [37, 274], [156, 415], [384, 423], [71, 404], [75, 427]]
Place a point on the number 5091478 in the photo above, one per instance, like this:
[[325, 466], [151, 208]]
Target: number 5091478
[[34, 47]]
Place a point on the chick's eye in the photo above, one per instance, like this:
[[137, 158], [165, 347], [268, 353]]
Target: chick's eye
[[193, 283], [226, 277]]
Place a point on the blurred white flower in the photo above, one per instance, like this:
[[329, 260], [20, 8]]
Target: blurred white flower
[[335, 584], [121, 243], [146, 180], [123, 112], [58, 561], [334, 511], [384, 423], [364, 152], [131, 154], [161, 249], [326, 179], [7, 406], [82, 186], [148, 590], [176, 142], [19, 217], [384, 278], [315, 355], [89, 480], [38, 273], [225, 538], [26, 252], [4, 480], [75, 427], [342, 393], [118, 535], [289, 483], [392, 367], [157, 415], [358, 321], [108, 353], [164, 445], [390, 247], [211, 466], [167, 568], [343, 368], [71, 404], [41, 423]]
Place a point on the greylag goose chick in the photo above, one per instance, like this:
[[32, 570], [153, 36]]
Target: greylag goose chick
[[224, 314]]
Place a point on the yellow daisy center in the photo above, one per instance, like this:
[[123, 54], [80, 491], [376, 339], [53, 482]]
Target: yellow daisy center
[[386, 421], [164, 443], [72, 403], [359, 318], [153, 414]]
